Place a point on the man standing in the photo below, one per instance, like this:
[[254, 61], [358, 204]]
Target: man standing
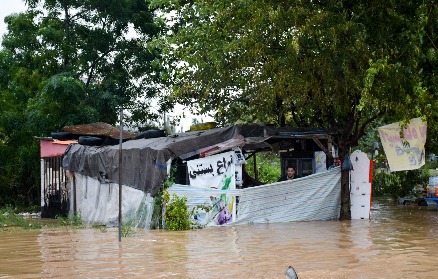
[[290, 174]]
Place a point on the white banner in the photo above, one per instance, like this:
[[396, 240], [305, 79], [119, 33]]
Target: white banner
[[404, 153], [212, 171], [215, 172]]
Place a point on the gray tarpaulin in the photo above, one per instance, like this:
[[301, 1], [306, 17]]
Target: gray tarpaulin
[[143, 160]]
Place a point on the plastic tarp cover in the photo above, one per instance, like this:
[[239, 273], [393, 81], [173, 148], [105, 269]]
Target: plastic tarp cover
[[313, 197], [98, 203], [143, 160]]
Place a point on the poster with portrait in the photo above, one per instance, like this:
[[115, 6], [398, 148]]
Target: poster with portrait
[[239, 160]]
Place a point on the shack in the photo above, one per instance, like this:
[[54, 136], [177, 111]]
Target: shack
[[93, 172], [54, 193]]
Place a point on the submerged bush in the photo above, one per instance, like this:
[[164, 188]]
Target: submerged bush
[[176, 215], [158, 210], [71, 220], [127, 230]]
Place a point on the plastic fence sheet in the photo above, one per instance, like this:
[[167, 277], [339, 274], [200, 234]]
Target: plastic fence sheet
[[314, 197], [98, 203]]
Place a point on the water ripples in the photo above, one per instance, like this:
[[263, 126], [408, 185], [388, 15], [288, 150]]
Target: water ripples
[[398, 242]]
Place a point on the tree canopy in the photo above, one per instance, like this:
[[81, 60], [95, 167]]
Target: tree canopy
[[67, 63], [344, 65], [341, 64]]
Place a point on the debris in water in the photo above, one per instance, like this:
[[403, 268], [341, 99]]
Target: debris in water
[[291, 274]]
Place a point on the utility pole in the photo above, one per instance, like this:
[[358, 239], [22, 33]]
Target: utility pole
[[120, 173]]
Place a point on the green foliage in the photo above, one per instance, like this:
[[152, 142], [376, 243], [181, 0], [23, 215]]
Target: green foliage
[[313, 63], [323, 64], [127, 231], [53, 107], [399, 184], [8, 218], [385, 184], [71, 220], [177, 216], [268, 167], [67, 63], [161, 199]]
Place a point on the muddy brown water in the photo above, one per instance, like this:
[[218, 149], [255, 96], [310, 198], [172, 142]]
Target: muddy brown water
[[397, 242]]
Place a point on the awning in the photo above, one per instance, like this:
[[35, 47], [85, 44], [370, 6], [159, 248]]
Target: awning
[[54, 148]]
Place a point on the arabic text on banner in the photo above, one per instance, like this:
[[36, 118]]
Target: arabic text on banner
[[215, 172], [209, 172], [402, 156]]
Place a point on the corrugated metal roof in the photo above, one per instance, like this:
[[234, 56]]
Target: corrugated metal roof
[[98, 129]]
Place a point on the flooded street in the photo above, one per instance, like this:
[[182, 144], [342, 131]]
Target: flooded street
[[398, 242]]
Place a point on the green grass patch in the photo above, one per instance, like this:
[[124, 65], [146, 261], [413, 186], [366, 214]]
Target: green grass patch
[[9, 219], [71, 220]]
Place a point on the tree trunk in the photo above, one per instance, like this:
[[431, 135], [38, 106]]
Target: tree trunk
[[345, 213]]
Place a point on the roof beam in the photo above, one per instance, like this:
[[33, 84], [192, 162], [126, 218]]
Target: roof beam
[[326, 151]]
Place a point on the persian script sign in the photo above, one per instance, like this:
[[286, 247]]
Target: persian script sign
[[405, 153], [212, 171], [215, 172]]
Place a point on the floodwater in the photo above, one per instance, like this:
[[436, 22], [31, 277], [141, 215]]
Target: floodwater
[[397, 242]]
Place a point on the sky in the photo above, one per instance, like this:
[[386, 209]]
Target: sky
[[8, 7]]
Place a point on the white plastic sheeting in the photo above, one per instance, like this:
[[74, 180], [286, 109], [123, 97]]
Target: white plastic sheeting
[[314, 197], [98, 203], [360, 193]]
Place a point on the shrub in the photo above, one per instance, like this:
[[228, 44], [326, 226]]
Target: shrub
[[268, 166], [399, 184], [176, 216], [71, 220], [158, 212]]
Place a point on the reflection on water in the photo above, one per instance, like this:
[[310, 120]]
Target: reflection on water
[[398, 242]]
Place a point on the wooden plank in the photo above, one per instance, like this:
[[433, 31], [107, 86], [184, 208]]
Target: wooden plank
[[326, 151]]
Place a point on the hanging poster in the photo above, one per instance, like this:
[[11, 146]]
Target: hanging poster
[[319, 159], [405, 153], [239, 160], [212, 171], [215, 172]]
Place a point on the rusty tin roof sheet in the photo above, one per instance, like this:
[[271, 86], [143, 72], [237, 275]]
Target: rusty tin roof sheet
[[98, 129]]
